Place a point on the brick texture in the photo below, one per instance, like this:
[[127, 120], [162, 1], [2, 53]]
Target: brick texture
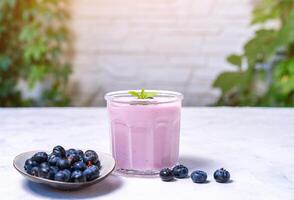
[[156, 44]]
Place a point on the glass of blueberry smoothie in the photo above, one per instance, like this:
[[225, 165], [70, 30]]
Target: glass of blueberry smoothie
[[145, 130]]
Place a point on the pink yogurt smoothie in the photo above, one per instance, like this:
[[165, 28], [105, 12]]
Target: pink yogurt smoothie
[[145, 133]]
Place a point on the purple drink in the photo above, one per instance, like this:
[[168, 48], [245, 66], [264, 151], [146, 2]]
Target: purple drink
[[145, 132]]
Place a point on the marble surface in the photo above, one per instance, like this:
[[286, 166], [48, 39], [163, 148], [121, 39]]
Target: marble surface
[[255, 144]]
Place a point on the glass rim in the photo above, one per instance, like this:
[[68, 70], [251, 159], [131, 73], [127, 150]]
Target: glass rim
[[173, 97]]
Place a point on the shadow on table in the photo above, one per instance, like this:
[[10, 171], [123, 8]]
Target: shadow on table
[[195, 162], [106, 186]]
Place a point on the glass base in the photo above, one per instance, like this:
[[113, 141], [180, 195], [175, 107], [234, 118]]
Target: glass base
[[137, 173]]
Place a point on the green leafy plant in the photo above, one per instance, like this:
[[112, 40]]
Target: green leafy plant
[[143, 94], [265, 69], [33, 37]]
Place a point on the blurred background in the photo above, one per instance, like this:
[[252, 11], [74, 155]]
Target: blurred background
[[216, 52]]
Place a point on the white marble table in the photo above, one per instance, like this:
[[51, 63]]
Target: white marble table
[[255, 145]]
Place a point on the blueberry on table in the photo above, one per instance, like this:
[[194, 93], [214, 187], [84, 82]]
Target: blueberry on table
[[40, 157], [199, 176], [221, 175], [90, 157], [63, 164], [59, 151], [80, 165], [77, 176], [180, 171], [166, 174], [52, 160]]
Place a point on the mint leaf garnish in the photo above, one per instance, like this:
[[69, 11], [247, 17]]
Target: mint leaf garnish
[[135, 94], [150, 95], [143, 94]]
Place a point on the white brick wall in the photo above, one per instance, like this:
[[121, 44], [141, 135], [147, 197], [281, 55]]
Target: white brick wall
[[156, 44]]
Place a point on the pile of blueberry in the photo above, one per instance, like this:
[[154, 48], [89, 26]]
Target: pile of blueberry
[[65, 165], [198, 176]]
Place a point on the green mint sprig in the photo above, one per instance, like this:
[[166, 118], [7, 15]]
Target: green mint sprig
[[143, 94]]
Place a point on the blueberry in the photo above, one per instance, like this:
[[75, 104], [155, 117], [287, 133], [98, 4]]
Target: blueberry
[[70, 151], [52, 160], [80, 165], [221, 175], [180, 171], [81, 154], [88, 174], [90, 157], [60, 176], [35, 171], [59, 151], [40, 157], [44, 164], [63, 164], [166, 174], [91, 173], [98, 164], [67, 174], [29, 164], [95, 170], [199, 176], [77, 176], [72, 158], [53, 170], [44, 171]]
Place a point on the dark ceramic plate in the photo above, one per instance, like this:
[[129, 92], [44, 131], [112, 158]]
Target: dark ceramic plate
[[107, 163]]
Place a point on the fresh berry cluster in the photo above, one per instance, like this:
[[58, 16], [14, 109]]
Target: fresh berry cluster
[[64, 165], [198, 176]]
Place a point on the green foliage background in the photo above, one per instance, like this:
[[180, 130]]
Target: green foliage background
[[265, 70], [33, 36]]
